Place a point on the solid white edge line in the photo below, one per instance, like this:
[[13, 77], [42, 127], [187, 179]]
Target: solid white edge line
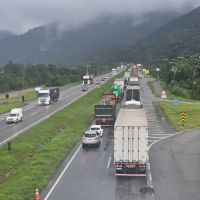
[[109, 160], [42, 119], [61, 175]]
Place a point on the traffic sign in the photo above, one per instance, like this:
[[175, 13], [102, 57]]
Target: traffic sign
[[175, 102], [183, 118], [163, 95]]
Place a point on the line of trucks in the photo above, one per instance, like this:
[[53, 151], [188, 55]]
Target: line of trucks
[[130, 123]]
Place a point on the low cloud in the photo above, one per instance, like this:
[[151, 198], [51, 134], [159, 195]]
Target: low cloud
[[21, 15]]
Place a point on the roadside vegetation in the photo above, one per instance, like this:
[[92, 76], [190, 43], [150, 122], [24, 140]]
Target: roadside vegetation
[[6, 104], [37, 153], [16, 76], [180, 76], [172, 114]]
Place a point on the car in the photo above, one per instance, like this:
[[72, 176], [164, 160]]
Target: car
[[91, 138], [97, 82], [15, 115], [84, 88], [98, 128]]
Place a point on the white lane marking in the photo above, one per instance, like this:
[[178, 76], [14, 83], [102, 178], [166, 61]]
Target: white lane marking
[[109, 160], [42, 119], [33, 113], [61, 175], [29, 107]]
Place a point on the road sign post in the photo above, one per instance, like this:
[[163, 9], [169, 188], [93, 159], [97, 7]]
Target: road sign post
[[183, 118], [163, 95]]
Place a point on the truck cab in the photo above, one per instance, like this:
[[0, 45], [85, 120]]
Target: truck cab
[[44, 97]]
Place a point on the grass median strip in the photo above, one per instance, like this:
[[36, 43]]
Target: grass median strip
[[37, 153]]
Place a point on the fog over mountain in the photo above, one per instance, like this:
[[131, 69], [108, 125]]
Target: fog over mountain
[[22, 15]]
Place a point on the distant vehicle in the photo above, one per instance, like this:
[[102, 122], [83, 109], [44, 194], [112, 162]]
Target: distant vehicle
[[98, 128], [38, 88], [131, 142], [47, 96], [91, 137], [103, 79], [105, 111], [114, 71], [97, 82], [84, 88], [133, 80], [15, 115], [88, 79], [133, 93]]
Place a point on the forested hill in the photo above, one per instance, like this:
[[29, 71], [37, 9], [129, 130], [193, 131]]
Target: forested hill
[[181, 34], [92, 43]]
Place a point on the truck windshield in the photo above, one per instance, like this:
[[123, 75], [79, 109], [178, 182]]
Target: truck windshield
[[43, 95]]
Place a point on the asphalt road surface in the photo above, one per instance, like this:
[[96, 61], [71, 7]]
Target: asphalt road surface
[[34, 114], [89, 173], [175, 167]]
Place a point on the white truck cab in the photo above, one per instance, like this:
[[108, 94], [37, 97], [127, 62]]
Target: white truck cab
[[15, 115]]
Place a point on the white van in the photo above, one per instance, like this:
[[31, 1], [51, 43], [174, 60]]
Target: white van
[[15, 115]]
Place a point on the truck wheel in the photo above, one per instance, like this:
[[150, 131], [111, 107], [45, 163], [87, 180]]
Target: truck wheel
[[83, 145]]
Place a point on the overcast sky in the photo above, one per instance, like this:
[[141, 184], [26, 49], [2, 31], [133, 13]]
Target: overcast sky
[[20, 15]]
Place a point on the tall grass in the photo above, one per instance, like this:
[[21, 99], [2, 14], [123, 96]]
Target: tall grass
[[37, 153]]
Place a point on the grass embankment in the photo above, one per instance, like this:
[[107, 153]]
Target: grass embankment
[[172, 114], [37, 153], [15, 101]]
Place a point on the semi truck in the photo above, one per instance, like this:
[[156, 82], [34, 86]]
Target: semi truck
[[105, 111], [47, 96], [133, 80], [88, 79], [130, 142], [133, 92], [120, 82], [116, 90], [133, 100]]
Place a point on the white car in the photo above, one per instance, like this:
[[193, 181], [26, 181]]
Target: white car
[[97, 128], [15, 115], [91, 138]]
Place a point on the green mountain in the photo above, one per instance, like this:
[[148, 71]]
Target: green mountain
[[181, 35], [95, 42], [4, 34]]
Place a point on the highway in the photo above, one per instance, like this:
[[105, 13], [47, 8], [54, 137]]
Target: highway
[[34, 114], [175, 165], [89, 173]]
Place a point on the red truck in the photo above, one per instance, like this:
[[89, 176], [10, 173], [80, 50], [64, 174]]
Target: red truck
[[105, 111]]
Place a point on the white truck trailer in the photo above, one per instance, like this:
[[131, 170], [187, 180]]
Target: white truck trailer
[[130, 142]]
